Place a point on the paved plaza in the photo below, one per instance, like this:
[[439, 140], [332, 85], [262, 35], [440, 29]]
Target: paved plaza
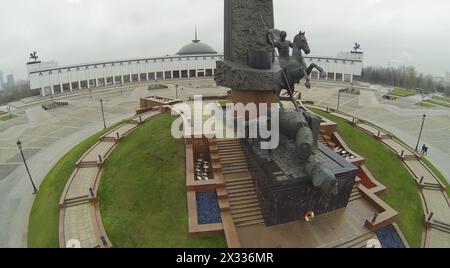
[[403, 117], [49, 135]]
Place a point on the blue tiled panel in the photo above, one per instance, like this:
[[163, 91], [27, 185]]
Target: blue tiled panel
[[208, 208]]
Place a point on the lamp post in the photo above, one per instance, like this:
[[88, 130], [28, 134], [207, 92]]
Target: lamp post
[[103, 113], [35, 190], [421, 130], [339, 99], [176, 92]]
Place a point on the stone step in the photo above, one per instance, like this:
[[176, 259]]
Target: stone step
[[246, 205], [442, 223], [232, 160], [250, 223], [236, 164], [222, 148], [88, 164], [357, 193], [363, 243], [246, 213], [244, 174], [237, 170], [231, 144], [76, 203], [437, 227], [239, 220], [227, 155], [354, 198], [226, 167], [109, 139], [242, 197], [239, 186], [240, 179], [251, 192], [229, 148], [240, 190], [75, 199], [225, 141], [244, 200], [433, 188], [441, 226], [355, 241]]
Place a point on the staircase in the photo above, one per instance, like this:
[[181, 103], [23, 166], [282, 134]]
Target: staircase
[[357, 241], [242, 196], [326, 140], [356, 194], [76, 201], [441, 226], [431, 186], [87, 164]]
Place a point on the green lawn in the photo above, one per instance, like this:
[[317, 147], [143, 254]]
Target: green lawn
[[440, 103], [143, 191], [44, 216], [402, 193], [443, 99], [425, 104], [223, 103], [402, 92], [7, 117]]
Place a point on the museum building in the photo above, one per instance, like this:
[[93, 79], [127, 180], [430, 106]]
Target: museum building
[[194, 60]]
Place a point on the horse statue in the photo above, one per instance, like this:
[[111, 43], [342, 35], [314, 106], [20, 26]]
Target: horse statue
[[296, 68]]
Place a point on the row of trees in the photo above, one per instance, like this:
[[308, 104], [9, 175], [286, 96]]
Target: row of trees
[[17, 92], [406, 77]]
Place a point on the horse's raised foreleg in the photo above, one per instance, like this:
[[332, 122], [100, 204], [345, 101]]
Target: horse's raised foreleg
[[317, 67]]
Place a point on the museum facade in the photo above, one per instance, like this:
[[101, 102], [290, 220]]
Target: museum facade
[[195, 60]]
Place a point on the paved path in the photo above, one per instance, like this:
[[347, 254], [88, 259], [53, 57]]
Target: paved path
[[49, 135], [431, 189], [402, 117], [80, 214]]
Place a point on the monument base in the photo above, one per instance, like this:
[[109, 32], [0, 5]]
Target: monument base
[[286, 193], [256, 97]]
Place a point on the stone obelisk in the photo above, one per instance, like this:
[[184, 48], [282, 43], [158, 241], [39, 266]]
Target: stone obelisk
[[248, 67]]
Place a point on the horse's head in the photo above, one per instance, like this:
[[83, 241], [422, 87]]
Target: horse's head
[[301, 42]]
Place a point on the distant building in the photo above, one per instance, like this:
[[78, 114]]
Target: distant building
[[1, 80], [439, 79], [10, 80], [195, 60]]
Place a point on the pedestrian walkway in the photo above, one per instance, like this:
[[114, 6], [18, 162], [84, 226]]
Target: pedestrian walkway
[[80, 215], [435, 200]]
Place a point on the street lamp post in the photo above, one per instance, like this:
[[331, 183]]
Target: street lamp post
[[35, 190], [103, 113], [339, 100], [421, 130]]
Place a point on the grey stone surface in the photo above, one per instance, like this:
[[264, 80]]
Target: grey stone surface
[[239, 76], [248, 54], [246, 22]]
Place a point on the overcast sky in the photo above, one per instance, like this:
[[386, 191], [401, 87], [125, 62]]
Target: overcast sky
[[402, 32]]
